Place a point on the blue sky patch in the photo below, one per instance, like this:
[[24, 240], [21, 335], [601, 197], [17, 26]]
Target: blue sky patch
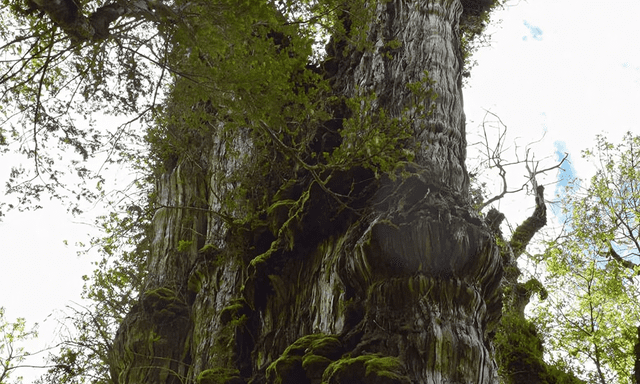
[[566, 172], [536, 32]]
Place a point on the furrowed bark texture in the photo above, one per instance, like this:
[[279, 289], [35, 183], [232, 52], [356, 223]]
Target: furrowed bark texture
[[428, 32], [407, 291]]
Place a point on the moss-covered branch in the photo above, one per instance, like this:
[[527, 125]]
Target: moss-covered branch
[[525, 231]]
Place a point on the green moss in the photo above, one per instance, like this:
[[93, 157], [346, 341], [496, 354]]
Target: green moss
[[366, 369], [278, 213], [163, 302], [317, 343], [534, 285], [260, 260], [287, 369], [218, 376], [519, 354], [208, 249], [329, 346], [161, 293], [306, 359], [194, 284], [226, 347], [284, 217], [232, 309], [235, 305], [312, 361], [314, 366], [184, 245], [235, 314], [474, 20], [345, 305], [382, 366]]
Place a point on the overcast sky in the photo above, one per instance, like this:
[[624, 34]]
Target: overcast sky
[[562, 70]]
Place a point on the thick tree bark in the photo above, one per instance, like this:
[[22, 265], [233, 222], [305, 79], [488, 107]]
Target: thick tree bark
[[428, 32], [406, 291]]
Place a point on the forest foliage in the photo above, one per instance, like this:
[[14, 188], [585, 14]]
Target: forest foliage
[[591, 316]]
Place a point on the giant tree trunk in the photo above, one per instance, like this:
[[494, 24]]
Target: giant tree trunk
[[405, 289]]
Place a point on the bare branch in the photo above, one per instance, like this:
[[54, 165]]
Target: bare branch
[[493, 158]]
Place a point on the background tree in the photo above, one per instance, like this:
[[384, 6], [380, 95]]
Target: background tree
[[520, 350], [592, 313]]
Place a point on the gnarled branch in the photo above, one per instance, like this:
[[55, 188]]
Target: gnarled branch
[[68, 15], [525, 231]]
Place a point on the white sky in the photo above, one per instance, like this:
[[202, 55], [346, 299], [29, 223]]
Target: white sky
[[565, 69], [570, 68]]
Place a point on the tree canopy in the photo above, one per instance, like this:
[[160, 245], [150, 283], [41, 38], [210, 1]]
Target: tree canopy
[[591, 316]]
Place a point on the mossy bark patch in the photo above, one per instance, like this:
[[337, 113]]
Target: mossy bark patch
[[305, 360], [320, 358], [159, 324], [220, 376], [164, 304]]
